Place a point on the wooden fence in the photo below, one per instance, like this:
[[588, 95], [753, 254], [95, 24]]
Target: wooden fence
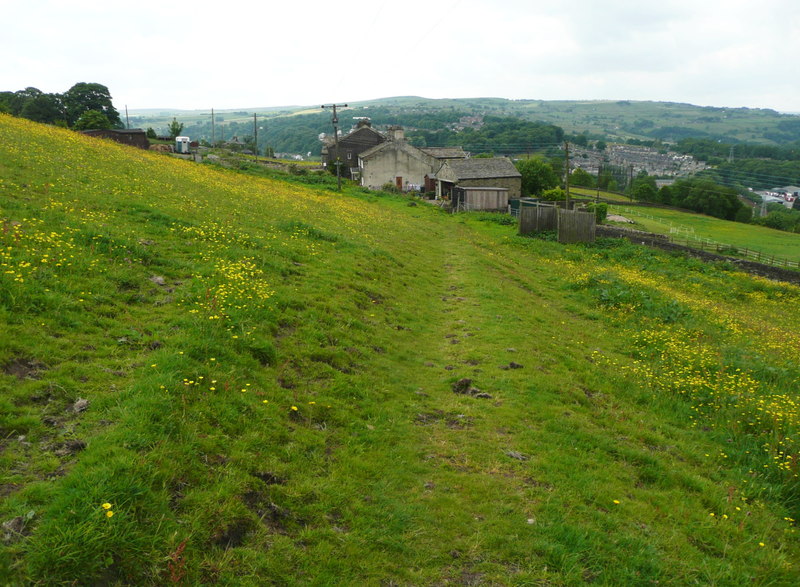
[[575, 226], [733, 251], [537, 218]]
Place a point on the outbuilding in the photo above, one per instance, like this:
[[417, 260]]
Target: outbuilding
[[490, 172], [493, 199], [134, 137], [182, 145]]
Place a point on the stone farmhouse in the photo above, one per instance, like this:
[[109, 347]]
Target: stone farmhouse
[[398, 162], [376, 159], [351, 145]]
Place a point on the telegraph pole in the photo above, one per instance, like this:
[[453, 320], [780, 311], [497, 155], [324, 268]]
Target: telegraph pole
[[213, 137], [566, 171], [255, 134], [599, 170], [335, 121], [128, 121]]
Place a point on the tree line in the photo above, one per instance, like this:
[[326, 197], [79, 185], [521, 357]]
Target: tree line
[[716, 152], [84, 105]]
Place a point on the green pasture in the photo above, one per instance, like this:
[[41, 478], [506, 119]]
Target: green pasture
[[694, 227], [238, 377]]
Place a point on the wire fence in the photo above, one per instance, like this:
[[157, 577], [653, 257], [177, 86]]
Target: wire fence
[[685, 236]]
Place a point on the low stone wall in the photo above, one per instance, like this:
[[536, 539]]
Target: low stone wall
[[661, 241]]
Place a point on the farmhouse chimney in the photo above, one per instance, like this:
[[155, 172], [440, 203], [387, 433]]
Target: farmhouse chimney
[[396, 133]]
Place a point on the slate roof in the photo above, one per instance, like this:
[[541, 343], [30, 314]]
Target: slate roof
[[392, 144], [445, 152], [372, 150], [480, 168]]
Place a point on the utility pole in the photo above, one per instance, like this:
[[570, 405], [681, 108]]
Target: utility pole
[[255, 134], [599, 171], [566, 170], [730, 155], [335, 121], [128, 120], [213, 137]]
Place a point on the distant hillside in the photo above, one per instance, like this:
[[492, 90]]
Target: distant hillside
[[295, 129], [621, 120]]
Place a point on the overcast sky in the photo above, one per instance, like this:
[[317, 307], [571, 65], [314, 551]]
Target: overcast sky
[[242, 54]]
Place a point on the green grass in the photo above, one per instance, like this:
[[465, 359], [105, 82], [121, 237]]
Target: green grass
[[685, 225], [592, 192], [269, 369]]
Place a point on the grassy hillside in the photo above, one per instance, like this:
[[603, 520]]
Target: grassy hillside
[[209, 377]]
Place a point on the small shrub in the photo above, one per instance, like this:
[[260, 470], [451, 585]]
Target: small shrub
[[497, 218], [600, 210], [391, 188], [554, 195]]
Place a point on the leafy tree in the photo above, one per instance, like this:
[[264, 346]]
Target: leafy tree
[[644, 188], [35, 100], [606, 181], [45, 108], [703, 195], [89, 96], [600, 210], [600, 145], [581, 140], [151, 133], [537, 176], [92, 119], [745, 214], [554, 195], [581, 178], [781, 218], [175, 128]]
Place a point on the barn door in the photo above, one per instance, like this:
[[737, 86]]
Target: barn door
[[398, 181]]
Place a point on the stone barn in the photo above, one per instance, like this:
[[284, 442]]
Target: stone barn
[[494, 172]]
